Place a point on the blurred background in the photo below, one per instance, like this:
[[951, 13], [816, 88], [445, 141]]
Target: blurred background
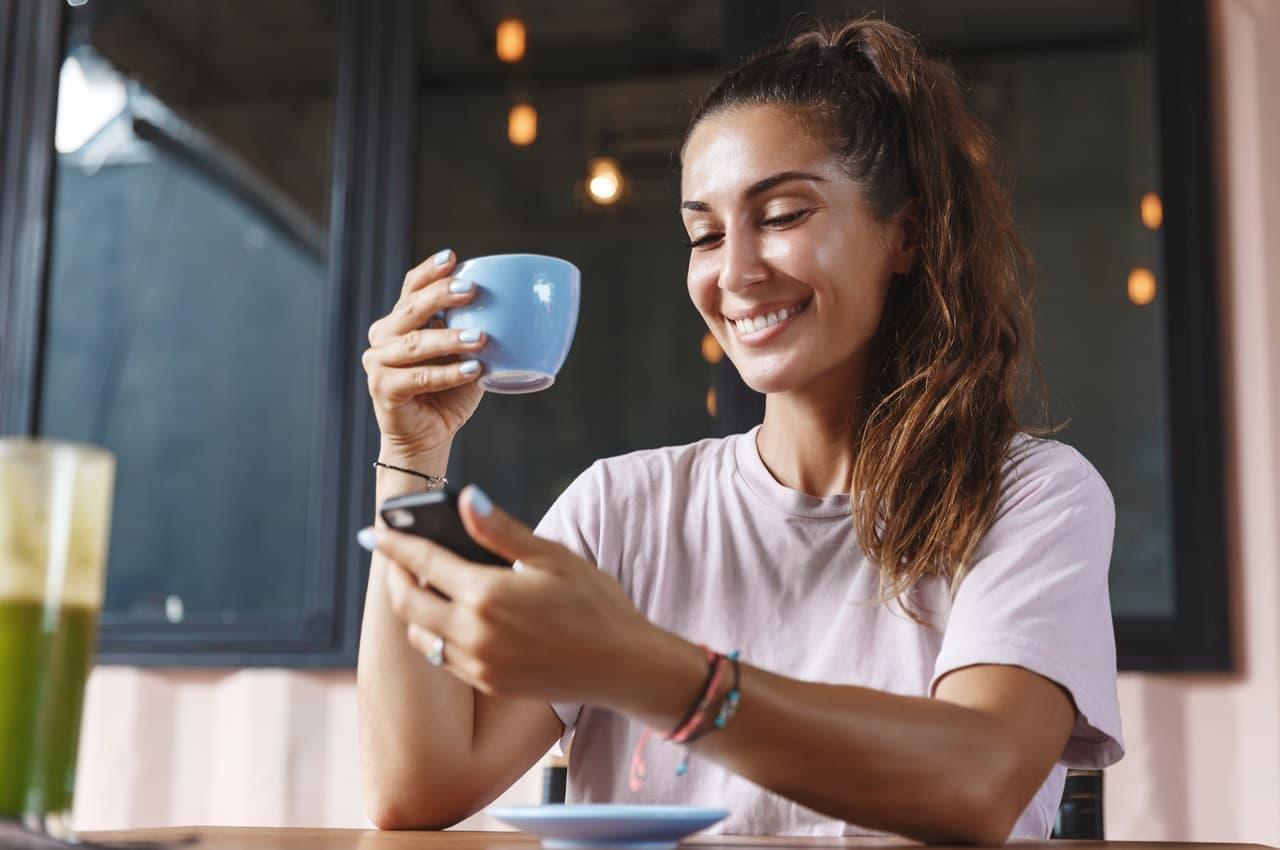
[[205, 205]]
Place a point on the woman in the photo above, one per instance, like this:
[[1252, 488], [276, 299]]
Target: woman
[[925, 658]]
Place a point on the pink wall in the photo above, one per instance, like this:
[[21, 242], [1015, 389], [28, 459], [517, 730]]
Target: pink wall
[[271, 747], [1204, 751]]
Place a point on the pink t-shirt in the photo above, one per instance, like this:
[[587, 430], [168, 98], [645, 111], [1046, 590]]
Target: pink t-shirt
[[710, 546]]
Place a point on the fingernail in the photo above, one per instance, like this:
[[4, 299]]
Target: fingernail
[[480, 501], [442, 257], [368, 538], [458, 287], [469, 335], [469, 367]]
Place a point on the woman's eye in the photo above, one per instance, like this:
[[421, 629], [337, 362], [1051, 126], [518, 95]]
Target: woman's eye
[[705, 239], [789, 218]]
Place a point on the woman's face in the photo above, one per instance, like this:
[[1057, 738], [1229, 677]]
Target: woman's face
[[788, 268]]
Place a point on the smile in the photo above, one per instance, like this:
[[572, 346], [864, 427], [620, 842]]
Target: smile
[[764, 326]]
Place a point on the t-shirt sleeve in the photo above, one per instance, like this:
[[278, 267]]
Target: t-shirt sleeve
[[574, 522], [1037, 595]]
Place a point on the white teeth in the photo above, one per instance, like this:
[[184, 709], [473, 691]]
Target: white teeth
[[748, 326]]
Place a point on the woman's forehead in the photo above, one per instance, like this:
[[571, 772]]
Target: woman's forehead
[[730, 151]]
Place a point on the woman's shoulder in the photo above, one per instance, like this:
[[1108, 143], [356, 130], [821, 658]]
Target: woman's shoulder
[[1039, 467]]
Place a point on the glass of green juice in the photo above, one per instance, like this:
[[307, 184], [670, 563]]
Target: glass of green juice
[[55, 520]]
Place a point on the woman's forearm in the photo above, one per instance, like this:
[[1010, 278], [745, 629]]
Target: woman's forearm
[[922, 768], [415, 720]]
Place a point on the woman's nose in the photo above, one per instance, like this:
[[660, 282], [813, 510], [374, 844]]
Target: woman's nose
[[742, 264]]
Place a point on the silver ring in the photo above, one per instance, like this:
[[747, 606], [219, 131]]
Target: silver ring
[[435, 655]]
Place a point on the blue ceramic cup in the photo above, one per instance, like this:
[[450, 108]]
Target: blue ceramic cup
[[527, 304]]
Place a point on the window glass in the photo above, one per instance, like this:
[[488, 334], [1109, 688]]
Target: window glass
[[189, 296], [619, 85]]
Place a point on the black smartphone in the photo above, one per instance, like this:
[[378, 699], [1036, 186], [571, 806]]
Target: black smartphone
[[434, 515]]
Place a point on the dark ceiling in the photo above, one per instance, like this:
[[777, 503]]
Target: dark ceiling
[[197, 49]]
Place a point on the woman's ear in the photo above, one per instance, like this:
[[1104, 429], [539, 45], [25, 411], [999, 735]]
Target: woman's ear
[[906, 238]]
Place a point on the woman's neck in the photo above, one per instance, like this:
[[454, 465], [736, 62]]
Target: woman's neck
[[807, 440]]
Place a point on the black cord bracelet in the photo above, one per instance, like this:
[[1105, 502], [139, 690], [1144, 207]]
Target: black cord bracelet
[[434, 480]]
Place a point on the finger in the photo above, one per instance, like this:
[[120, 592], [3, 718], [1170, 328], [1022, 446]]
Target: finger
[[456, 661], [413, 604], [496, 530], [424, 344], [395, 386], [432, 268], [419, 308], [434, 564]]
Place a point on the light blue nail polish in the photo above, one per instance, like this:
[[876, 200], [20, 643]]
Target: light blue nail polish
[[458, 287], [469, 335], [480, 501], [441, 257], [469, 367], [368, 538]]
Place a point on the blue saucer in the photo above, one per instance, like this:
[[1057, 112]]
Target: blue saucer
[[615, 826]]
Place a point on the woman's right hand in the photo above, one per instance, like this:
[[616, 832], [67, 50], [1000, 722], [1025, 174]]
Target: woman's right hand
[[420, 379]]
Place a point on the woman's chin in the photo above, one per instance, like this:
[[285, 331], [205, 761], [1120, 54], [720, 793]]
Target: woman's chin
[[771, 380]]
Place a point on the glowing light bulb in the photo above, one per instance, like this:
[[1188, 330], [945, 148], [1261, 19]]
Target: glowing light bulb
[[1152, 211], [604, 181], [510, 42], [1142, 286], [604, 188], [522, 124], [711, 351], [711, 402]]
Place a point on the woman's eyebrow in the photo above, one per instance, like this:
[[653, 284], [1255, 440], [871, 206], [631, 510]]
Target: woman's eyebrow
[[759, 187]]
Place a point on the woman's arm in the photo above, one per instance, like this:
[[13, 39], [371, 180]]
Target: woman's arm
[[433, 750], [957, 768]]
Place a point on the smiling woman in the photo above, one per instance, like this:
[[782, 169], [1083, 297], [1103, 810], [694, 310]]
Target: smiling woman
[[884, 610]]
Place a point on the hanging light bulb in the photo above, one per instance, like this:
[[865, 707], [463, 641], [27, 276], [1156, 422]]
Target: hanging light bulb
[[711, 402], [1142, 286], [510, 41], [522, 124], [604, 180], [711, 351], [1151, 210]]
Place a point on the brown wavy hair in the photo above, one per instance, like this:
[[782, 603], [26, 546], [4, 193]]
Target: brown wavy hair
[[954, 350]]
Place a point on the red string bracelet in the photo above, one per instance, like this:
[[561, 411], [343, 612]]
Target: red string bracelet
[[688, 724], [681, 734]]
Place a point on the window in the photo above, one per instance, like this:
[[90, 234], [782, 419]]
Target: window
[[189, 302], [233, 193]]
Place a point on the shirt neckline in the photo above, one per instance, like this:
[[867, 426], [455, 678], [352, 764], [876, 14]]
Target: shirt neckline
[[760, 481]]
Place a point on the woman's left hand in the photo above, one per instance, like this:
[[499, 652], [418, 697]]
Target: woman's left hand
[[555, 629]]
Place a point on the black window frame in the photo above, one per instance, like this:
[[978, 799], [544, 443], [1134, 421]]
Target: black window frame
[[372, 167], [371, 213]]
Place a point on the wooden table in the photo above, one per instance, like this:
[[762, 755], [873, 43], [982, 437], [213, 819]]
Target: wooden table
[[235, 838]]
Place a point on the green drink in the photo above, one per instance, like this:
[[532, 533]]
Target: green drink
[[55, 514]]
